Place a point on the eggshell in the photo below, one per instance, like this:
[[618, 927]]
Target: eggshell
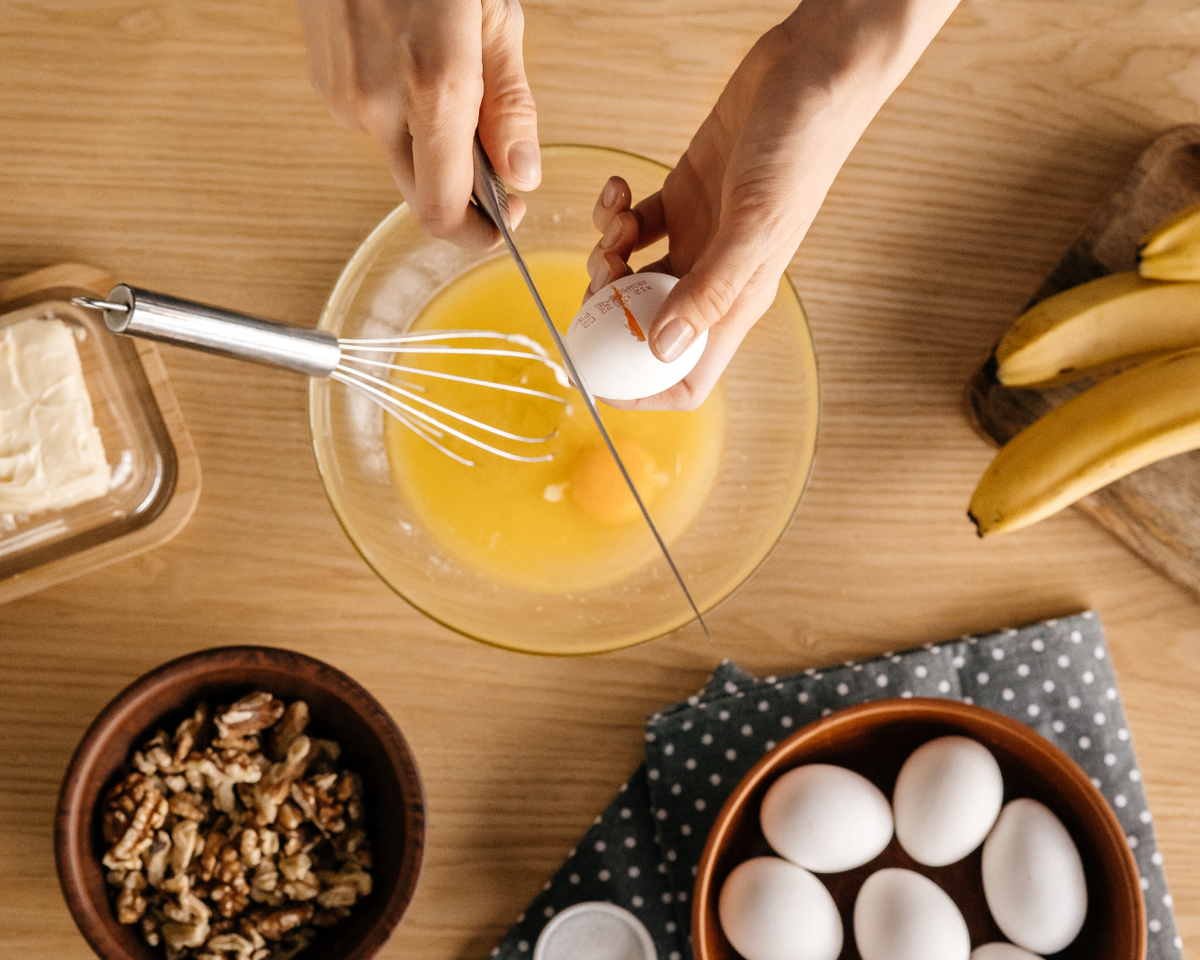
[[774, 910], [607, 340], [1033, 878], [946, 799], [826, 818], [1002, 951], [901, 915]]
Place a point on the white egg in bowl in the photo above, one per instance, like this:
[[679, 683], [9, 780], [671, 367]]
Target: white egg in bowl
[[826, 818], [946, 798], [874, 740]]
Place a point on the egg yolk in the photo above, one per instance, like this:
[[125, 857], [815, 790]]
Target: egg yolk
[[600, 491]]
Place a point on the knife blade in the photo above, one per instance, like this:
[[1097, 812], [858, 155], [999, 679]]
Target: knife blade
[[492, 198]]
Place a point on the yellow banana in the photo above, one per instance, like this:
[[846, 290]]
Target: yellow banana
[[1095, 325], [1141, 415], [1172, 250]]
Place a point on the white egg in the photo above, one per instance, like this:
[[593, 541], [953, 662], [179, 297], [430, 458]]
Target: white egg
[[901, 915], [946, 799], [826, 818], [1033, 878], [607, 340], [774, 910], [1002, 951]]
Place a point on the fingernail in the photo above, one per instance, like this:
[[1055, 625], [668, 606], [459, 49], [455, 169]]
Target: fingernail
[[611, 235], [673, 338], [525, 159], [608, 196]]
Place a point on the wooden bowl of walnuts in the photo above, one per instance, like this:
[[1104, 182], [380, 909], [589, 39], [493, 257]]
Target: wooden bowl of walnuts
[[242, 802]]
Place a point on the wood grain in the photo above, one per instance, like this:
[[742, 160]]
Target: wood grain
[[1153, 511], [177, 145]]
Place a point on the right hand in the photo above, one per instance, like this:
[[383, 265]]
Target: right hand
[[740, 200], [420, 76]]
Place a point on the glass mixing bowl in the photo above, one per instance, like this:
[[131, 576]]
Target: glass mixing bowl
[[772, 406]]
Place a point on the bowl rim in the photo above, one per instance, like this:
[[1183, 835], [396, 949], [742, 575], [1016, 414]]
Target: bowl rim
[[930, 709], [95, 921], [315, 384]]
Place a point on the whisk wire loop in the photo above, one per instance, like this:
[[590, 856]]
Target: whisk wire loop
[[388, 388], [401, 399], [474, 381], [391, 404]]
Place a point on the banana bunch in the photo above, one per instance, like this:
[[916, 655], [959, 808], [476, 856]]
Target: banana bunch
[[1144, 323], [1172, 251]]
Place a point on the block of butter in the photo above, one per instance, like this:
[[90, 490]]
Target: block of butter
[[51, 454]]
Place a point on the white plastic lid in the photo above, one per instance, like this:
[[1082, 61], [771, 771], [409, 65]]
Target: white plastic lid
[[595, 931]]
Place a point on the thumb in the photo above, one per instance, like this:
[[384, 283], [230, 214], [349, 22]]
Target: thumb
[[507, 115], [706, 293]]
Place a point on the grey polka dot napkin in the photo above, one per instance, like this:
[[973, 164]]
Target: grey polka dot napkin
[[642, 851]]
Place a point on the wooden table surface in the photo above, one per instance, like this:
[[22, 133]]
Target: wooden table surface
[[177, 143]]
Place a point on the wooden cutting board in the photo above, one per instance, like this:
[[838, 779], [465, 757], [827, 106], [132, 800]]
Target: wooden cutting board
[[1155, 511]]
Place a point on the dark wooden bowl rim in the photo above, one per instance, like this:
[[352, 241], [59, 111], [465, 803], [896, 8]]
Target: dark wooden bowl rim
[[1107, 832]]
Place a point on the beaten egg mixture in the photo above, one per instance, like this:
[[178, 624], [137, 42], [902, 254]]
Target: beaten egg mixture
[[569, 524]]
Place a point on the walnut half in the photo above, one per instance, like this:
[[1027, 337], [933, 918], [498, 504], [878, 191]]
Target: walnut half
[[237, 837]]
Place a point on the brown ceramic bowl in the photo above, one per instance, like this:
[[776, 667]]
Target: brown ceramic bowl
[[340, 709], [874, 739]]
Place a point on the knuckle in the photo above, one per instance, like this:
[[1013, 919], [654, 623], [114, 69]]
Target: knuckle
[[516, 16], [513, 102], [433, 67], [681, 398], [504, 18], [437, 219], [357, 100], [781, 38], [434, 93], [595, 262], [715, 297], [766, 201]]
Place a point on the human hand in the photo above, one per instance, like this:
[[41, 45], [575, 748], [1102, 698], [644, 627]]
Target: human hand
[[420, 76], [745, 192]]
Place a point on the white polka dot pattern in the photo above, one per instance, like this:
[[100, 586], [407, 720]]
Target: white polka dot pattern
[[643, 850]]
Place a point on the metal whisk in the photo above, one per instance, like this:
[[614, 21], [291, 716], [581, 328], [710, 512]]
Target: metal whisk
[[355, 363]]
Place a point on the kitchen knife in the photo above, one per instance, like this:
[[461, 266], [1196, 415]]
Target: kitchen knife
[[492, 198]]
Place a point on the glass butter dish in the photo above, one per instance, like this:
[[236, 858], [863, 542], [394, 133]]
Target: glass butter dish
[[154, 477]]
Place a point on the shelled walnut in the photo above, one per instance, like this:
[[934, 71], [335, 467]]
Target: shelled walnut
[[238, 836]]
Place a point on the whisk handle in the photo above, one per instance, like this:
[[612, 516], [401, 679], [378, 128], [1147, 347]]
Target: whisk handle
[[155, 316]]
